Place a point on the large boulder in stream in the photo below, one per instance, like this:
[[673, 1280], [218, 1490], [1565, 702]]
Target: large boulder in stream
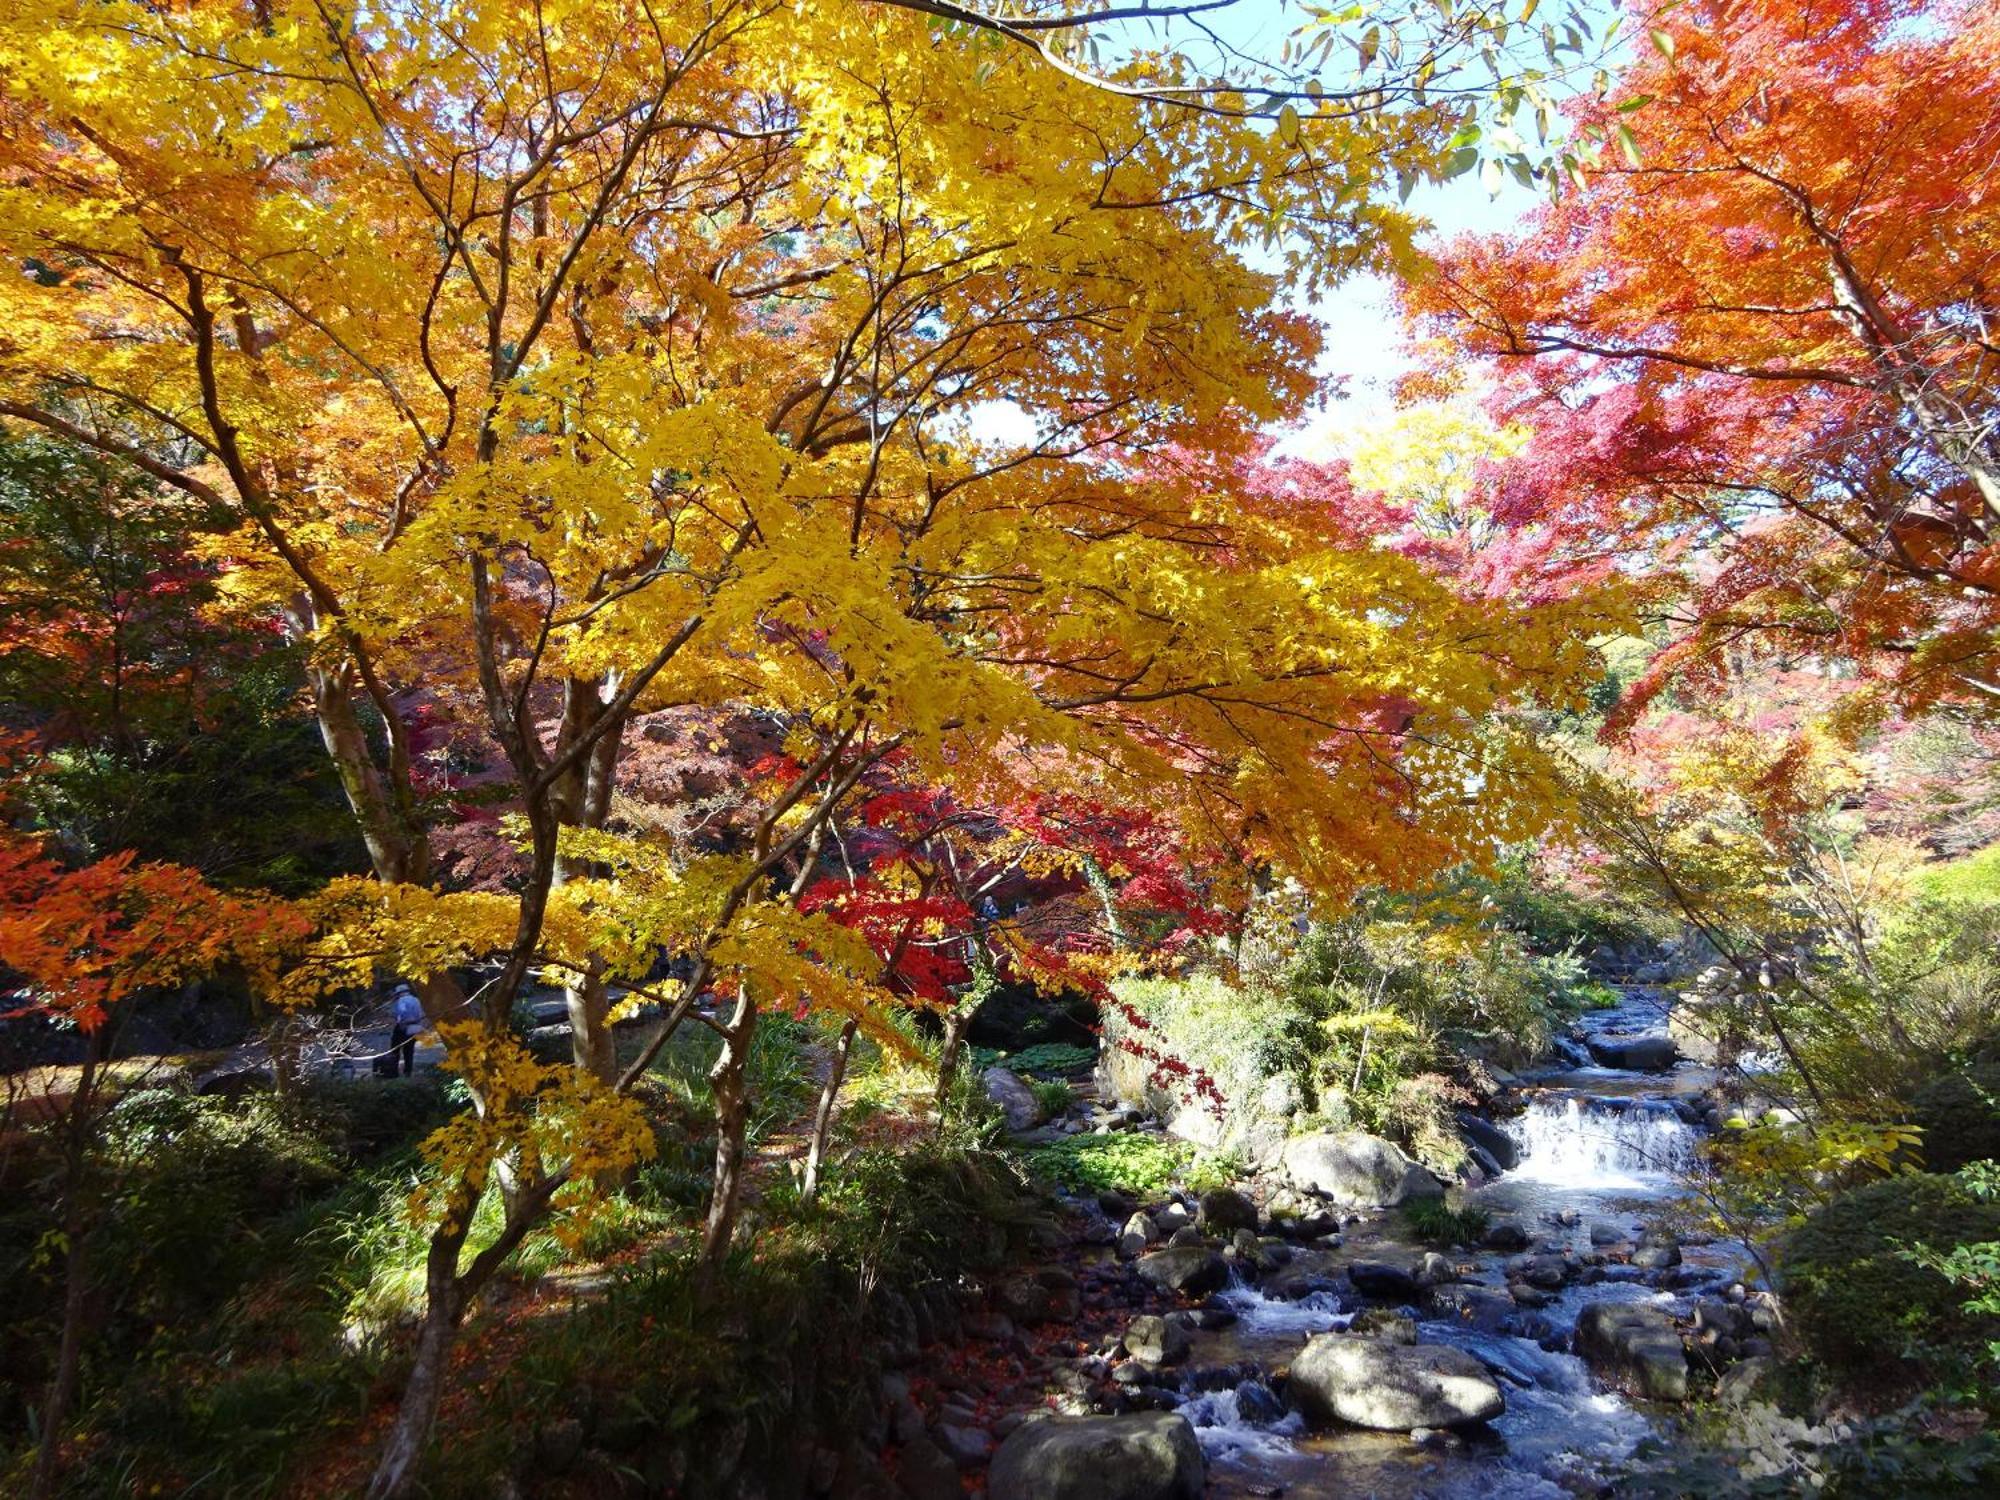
[[1050, 1295], [1490, 1138], [1635, 1054], [1380, 1278], [1145, 1456], [1391, 1386], [1017, 1102], [1635, 1347], [1357, 1170], [1190, 1270], [1224, 1209]]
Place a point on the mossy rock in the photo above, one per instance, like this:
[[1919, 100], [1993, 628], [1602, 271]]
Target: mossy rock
[[1853, 1293], [1960, 1116]]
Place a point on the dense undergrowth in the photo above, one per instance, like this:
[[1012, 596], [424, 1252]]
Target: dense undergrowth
[[1388, 1019], [257, 1267]]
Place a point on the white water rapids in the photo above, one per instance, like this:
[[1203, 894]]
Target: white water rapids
[[1600, 1144]]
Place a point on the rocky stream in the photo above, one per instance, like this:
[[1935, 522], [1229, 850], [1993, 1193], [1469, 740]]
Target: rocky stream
[[1297, 1340]]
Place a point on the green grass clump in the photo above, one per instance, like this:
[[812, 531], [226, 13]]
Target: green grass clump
[[1128, 1162], [1053, 1094], [1596, 995], [1436, 1222]]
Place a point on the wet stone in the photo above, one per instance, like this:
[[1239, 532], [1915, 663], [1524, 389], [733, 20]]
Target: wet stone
[[966, 1446], [1378, 1278], [1392, 1387], [1156, 1341], [1256, 1402]]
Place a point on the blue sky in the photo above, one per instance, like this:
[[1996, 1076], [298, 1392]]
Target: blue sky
[[1364, 338]]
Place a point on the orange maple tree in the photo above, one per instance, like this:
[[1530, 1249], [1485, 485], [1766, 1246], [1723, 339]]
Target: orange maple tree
[[76, 946], [1756, 348], [83, 941]]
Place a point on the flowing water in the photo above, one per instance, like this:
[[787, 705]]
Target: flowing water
[[1599, 1149], [1596, 1145]]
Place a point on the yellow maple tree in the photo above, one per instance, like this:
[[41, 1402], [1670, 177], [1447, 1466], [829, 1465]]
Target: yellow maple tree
[[569, 362]]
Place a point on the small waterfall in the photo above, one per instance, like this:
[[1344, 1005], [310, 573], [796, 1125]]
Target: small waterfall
[[1598, 1143], [1223, 1431]]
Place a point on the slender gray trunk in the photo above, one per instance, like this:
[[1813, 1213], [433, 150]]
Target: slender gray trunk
[[69, 1354], [729, 1082], [582, 799], [392, 850], [443, 1302], [77, 1226], [823, 1116]]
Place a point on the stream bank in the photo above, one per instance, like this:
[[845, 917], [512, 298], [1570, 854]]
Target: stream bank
[[1318, 1348]]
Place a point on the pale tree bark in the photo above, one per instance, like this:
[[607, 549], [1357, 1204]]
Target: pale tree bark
[[823, 1115], [593, 1048], [408, 1435], [395, 849], [729, 1082], [581, 798], [956, 1022]]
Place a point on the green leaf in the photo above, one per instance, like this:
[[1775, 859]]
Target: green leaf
[[1461, 162], [1662, 43], [1629, 144], [1288, 125], [1636, 102]]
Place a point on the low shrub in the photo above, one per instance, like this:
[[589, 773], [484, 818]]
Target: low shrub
[[1420, 1114], [1960, 1117], [1854, 1291], [1122, 1161], [1204, 1021], [1045, 1059], [728, 1387], [1556, 919]]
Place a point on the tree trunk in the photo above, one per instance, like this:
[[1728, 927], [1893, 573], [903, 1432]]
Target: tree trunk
[[392, 849], [443, 1302], [956, 1023], [581, 798], [823, 1116], [69, 1356], [592, 1047], [77, 1133], [287, 1049], [732, 1121]]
